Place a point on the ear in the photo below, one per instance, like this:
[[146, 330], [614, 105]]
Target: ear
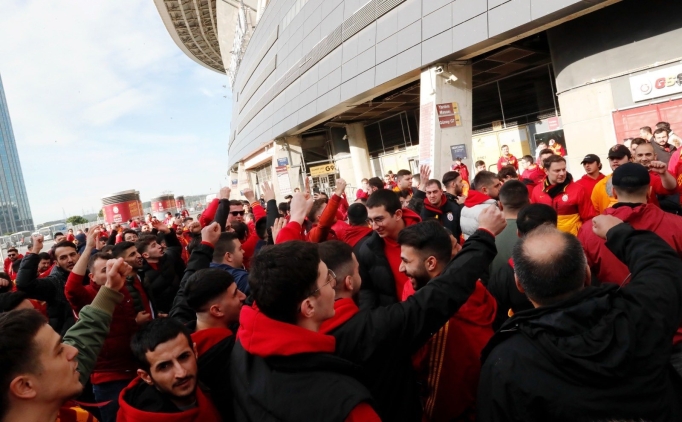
[[215, 311], [348, 283], [194, 349], [307, 308], [23, 387], [431, 263], [500, 206], [399, 214], [91, 276], [144, 375], [145, 255], [519, 287]]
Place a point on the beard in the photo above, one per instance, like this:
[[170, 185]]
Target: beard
[[419, 278]]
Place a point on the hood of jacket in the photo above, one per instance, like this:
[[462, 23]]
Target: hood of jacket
[[353, 234], [140, 402], [433, 208], [209, 337], [410, 217], [642, 216], [476, 198], [585, 335], [264, 337], [344, 309], [480, 309]]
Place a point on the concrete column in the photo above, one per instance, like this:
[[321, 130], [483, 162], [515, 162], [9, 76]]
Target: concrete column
[[434, 142], [357, 141], [243, 182]]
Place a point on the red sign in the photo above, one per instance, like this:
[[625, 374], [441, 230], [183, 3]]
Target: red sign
[[445, 109], [447, 121], [122, 211], [553, 123]]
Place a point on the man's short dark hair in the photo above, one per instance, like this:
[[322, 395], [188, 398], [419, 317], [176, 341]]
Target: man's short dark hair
[[485, 179], [645, 128], [528, 159], [58, 234], [547, 162], [44, 256], [153, 333], [376, 182], [507, 172], [479, 163], [96, 257], [241, 229], [384, 198], [121, 248], [429, 238], [128, 231], [449, 176], [434, 182], [662, 130], [638, 141], [534, 215], [548, 279], [224, 245], [357, 215], [206, 285], [283, 207], [663, 125], [237, 203], [402, 173], [143, 242], [13, 249], [339, 258], [64, 244], [317, 206], [543, 152], [404, 193], [282, 276], [10, 300], [514, 195], [18, 349]]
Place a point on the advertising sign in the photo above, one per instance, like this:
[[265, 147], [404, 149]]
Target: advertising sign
[[657, 83], [322, 170]]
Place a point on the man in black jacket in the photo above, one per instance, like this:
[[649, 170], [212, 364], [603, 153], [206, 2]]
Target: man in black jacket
[[585, 353], [51, 288], [383, 340], [162, 270], [437, 206]]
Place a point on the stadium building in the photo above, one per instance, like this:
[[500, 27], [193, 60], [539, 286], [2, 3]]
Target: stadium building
[[355, 88]]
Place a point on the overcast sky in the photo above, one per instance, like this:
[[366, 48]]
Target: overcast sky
[[102, 100]]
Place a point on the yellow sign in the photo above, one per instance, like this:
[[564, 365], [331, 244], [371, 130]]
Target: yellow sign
[[322, 170], [455, 108]]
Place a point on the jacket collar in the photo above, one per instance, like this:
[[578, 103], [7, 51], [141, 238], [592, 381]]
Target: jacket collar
[[344, 309]]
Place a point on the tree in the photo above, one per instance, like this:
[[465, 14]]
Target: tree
[[100, 214], [76, 219]]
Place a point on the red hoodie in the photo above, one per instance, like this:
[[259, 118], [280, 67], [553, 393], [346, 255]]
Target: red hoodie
[[449, 365], [262, 336], [604, 264], [392, 252], [475, 198], [354, 234], [344, 309], [205, 411]]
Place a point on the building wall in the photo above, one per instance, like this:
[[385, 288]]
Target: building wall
[[309, 60], [15, 212]]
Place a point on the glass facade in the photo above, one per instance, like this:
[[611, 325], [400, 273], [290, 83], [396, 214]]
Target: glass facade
[[15, 212]]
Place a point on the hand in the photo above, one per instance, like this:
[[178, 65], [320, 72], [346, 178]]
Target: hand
[[224, 193], [195, 227], [340, 187], [158, 225], [279, 223], [424, 174], [658, 167], [211, 233], [492, 219], [4, 282], [37, 243], [601, 224], [91, 239], [142, 317], [116, 273], [249, 195], [268, 192], [306, 191], [161, 315], [299, 207]]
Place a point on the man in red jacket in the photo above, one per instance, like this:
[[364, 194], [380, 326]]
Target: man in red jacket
[[166, 388], [592, 166], [358, 227], [449, 364], [507, 159], [279, 344], [115, 366], [12, 256]]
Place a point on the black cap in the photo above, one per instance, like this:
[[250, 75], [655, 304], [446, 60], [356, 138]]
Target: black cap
[[619, 151], [631, 175], [591, 158]]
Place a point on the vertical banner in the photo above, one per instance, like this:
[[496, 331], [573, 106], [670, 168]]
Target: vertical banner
[[426, 135], [283, 179]]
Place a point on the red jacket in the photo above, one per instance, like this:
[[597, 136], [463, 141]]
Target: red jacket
[[573, 205], [264, 337], [462, 170], [507, 161], [450, 363], [251, 241], [536, 174], [115, 361], [291, 231], [205, 411], [588, 183], [323, 229], [209, 213], [604, 264], [354, 233], [361, 194], [8, 267]]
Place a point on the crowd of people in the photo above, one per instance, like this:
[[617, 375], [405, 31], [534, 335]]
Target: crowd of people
[[483, 296]]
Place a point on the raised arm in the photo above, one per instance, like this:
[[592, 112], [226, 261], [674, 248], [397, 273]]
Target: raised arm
[[300, 206], [27, 276]]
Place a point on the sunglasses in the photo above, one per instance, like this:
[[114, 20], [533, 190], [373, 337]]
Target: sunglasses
[[12, 255], [236, 213]]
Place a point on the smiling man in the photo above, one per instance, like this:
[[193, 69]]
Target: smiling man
[[166, 387], [51, 288]]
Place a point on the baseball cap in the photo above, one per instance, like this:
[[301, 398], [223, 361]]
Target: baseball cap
[[631, 175], [619, 151], [591, 158]]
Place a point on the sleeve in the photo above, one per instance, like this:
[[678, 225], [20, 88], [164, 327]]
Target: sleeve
[[292, 231], [657, 187], [499, 164], [89, 332], [363, 412], [321, 231], [367, 296], [585, 207], [76, 293], [209, 213], [222, 210], [258, 211], [111, 241], [655, 269], [272, 213], [201, 258], [29, 283]]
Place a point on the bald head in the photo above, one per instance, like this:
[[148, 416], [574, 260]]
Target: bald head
[[550, 265]]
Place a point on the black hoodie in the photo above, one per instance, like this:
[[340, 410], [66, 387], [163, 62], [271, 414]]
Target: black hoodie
[[603, 354]]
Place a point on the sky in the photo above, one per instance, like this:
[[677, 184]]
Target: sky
[[102, 100]]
